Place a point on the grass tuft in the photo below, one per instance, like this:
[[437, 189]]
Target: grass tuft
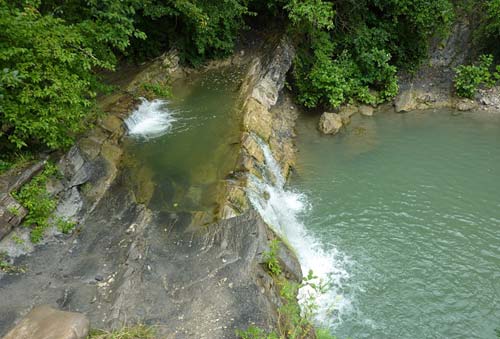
[[133, 332]]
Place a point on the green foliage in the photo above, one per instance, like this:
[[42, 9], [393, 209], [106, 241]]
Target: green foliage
[[35, 198], [14, 160], [17, 239], [294, 320], [199, 29], [14, 211], [132, 332], [469, 78], [324, 334], [271, 258], [50, 90], [65, 226], [254, 332], [156, 90], [355, 51]]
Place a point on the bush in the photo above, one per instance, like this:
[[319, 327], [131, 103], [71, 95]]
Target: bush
[[40, 205], [271, 258], [354, 51], [469, 78]]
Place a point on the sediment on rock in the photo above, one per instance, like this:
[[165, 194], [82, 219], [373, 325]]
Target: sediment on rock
[[129, 264], [262, 119]]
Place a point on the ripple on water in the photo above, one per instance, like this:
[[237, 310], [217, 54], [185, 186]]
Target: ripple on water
[[416, 209]]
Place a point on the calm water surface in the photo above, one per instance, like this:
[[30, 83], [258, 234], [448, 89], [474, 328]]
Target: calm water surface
[[412, 204], [188, 162]]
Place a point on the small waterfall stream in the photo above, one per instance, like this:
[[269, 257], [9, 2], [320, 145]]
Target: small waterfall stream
[[281, 209], [151, 119]]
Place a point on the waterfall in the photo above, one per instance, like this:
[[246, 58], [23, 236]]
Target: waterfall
[[151, 119], [281, 209]]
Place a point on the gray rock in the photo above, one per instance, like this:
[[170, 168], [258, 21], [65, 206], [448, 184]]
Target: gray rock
[[71, 162], [14, 179], [346, 112], [366, 110], [466, 105], [330, 123], [405, 101], [44, 322], [11, 214], [266, 90], [70, 204]]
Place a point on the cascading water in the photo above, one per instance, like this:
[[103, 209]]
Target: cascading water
[[151, 119], [281, 209]]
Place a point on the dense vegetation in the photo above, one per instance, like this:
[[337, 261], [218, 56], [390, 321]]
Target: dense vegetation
[[52, 51]]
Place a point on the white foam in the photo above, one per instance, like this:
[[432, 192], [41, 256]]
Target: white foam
[[282, 209], [151, 119]]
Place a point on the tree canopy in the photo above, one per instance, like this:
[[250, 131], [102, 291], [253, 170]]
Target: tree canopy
[[51, 51]]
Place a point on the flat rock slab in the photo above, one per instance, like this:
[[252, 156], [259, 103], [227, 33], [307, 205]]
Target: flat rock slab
[[127, 265], [44, 322]]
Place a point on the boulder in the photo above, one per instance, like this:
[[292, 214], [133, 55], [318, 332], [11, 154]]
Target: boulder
[[406, 101], [346, 112], [466, 105], [366, 110], [44, 322], [330, 123]]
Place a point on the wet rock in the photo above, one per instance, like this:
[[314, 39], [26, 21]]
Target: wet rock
[[330, 123], [113, 125], [252, 147], [44, 322], [466, 105], [257, 119], [11, 214], [405, 101], [346, 112], [366, 110]]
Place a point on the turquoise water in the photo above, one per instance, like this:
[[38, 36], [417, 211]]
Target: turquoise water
[[410, 204]]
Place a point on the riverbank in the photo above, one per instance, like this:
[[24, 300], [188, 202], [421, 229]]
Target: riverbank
[[127, 263]]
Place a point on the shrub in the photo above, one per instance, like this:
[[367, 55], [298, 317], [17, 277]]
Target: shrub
[[40, 205], [469, 78], [271, 259]]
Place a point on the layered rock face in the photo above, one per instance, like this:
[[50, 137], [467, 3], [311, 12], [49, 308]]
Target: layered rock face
[[128, 264], [264, 118]]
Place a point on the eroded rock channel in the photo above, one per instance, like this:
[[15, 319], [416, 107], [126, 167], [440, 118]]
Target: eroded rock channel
[[141, 251]]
